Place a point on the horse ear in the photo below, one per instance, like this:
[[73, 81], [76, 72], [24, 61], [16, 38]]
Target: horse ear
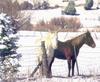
[[87, 31]]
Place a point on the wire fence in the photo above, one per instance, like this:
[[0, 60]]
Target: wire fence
[[88, 59]]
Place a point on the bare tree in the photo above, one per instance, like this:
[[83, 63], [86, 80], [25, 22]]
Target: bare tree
[[12, 8]]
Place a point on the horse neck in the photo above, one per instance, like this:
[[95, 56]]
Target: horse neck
[[79, 41]]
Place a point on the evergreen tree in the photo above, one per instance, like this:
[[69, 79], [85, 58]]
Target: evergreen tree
[[8, 45], [88, 4], [70, 9]]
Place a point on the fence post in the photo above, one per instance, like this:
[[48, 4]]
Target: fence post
[[76, 60], [44, 66]]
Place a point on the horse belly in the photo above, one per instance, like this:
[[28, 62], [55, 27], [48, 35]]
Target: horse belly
[[58, 54]]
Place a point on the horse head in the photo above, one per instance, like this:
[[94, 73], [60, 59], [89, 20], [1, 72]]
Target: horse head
[[89, 40]]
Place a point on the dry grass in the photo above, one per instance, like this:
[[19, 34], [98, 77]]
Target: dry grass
[[66, 24]]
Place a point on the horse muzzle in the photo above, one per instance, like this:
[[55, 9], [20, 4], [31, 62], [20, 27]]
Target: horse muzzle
[[93, 45]]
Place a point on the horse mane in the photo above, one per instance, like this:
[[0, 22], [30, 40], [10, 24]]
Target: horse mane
[[77, 39]]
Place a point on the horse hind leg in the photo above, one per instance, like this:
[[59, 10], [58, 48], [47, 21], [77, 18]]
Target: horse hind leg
[[49, 67], [69, 67]]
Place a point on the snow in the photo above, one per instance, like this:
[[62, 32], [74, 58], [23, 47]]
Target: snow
[[2, 16]]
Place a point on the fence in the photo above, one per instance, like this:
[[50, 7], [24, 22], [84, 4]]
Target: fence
[[88, 59]]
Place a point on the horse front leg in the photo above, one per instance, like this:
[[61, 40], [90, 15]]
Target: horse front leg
[[73, 65], [69, 67]]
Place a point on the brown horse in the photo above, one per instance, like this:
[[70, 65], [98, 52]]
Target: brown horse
[[70, 48]]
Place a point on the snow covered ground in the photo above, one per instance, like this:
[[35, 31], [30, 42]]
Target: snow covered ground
[[88, 59], [90, 18]]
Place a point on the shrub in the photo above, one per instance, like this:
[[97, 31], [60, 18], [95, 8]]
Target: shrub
[[37, 5], [26, 5], [64, 0], [70, 9], [43, 5], [71, 24], [88, 4]]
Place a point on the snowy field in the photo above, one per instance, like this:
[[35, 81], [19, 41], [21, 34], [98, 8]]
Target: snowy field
[[88, 59], [90, 18]]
